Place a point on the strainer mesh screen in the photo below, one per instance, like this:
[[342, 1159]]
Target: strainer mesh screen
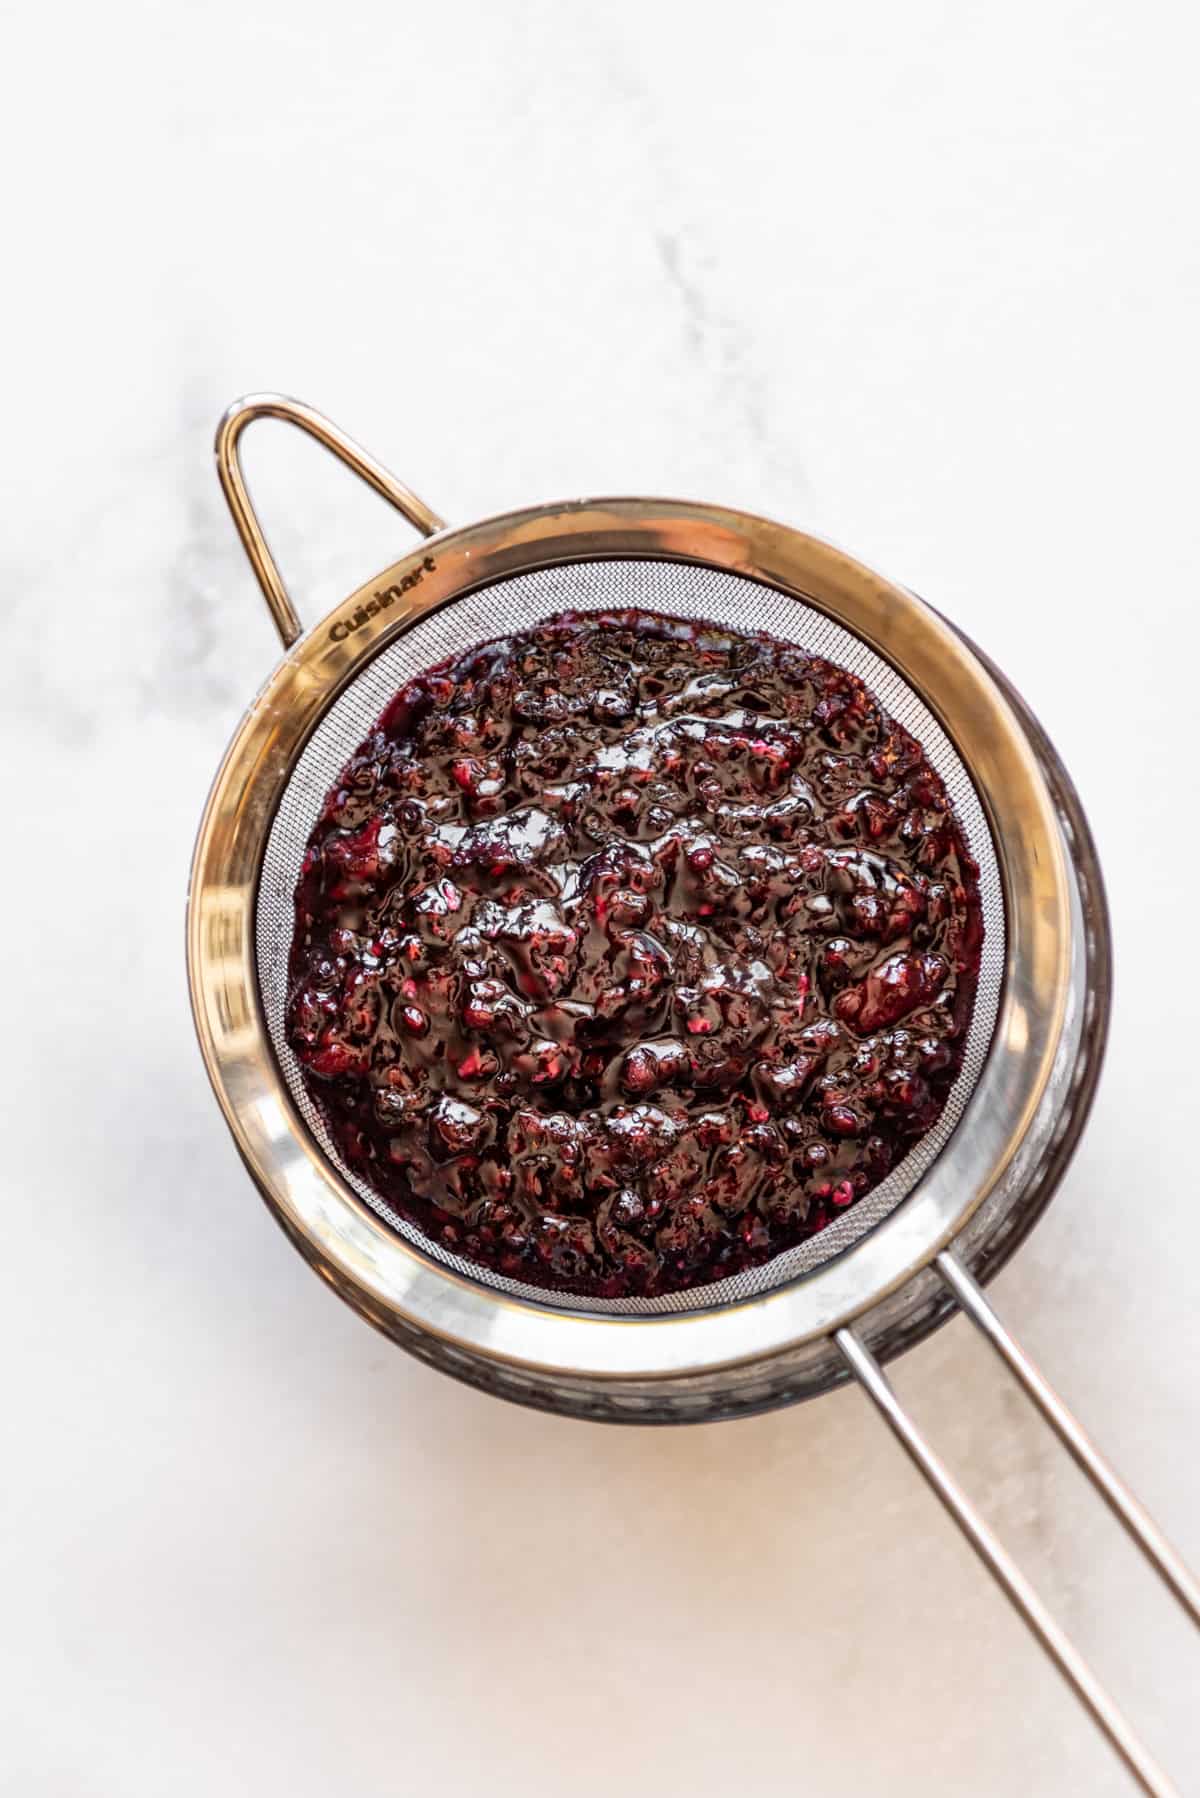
[[681, 590]]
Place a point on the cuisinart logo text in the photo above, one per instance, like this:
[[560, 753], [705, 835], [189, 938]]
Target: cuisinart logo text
[[380, 600]]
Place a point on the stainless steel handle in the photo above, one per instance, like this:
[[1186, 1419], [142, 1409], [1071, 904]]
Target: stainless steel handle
[[1121, 1501], [326, 433], [1004, 1570]]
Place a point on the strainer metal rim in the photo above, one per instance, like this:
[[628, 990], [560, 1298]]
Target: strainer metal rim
[[382, 1275]]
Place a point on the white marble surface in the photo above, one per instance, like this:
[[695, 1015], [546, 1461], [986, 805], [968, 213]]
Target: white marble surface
[[921, 278]]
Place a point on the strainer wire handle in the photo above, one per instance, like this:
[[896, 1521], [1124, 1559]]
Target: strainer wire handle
[[1121, 1501], [277, 405], [1004, 1570]]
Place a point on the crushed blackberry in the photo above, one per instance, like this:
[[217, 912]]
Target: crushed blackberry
[[631, 952]]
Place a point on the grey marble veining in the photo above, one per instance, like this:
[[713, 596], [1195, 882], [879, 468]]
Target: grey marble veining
[[922, 279]]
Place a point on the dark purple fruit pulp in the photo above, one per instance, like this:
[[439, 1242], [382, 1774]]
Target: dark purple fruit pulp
[[631, 952]]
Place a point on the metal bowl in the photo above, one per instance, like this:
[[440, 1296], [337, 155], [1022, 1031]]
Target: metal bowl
[[982, 1194]]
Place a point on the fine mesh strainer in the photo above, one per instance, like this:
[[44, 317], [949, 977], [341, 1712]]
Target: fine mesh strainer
[[896, 1264]]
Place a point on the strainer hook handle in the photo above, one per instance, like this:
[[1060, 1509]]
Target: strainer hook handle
[[233, 484]]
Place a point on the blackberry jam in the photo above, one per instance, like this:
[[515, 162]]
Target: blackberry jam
[[630, 952]]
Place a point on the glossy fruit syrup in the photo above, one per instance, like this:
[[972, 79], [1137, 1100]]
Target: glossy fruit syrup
[[630, 952]]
